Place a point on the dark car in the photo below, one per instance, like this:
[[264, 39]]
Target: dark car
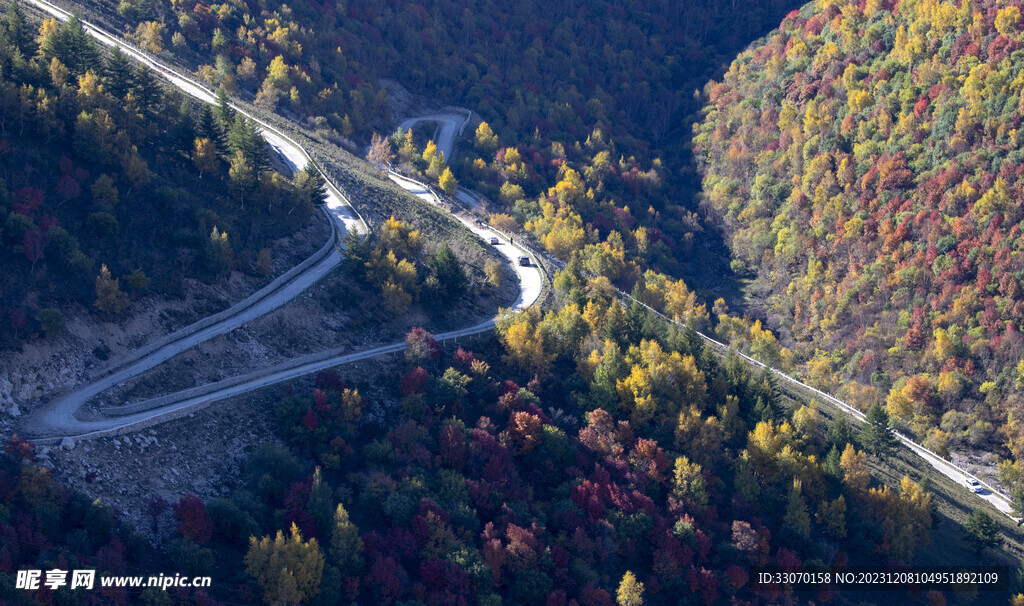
[[524, 261]]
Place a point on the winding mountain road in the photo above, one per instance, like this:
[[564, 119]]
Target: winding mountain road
[[57, 419], [449, 126]]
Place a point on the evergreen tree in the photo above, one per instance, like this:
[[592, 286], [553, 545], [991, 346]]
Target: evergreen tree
[[614, 324], [1018, 501], [245, 139], [982, 532], [445, 266], [75, 47], [763, 410], [831, 466], [312, 183], [839, 434], [146, 89], [877, 434], [207, 127], [17, 30], [225, 113], [636, 315], [119, 76]]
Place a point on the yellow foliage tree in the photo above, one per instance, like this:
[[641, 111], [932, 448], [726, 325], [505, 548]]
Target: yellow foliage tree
[[524, 346], [630, 592], [289, 570], [485, 141], [447, 181], [109, 298], [855, 468]]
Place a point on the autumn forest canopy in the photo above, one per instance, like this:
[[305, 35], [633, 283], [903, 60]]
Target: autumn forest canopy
[[861, 163], [864, 161]]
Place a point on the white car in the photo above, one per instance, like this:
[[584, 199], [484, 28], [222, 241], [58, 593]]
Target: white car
[[494, 241], [973, 485]]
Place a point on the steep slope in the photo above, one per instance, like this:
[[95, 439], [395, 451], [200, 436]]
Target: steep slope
[[864, 163], [111, 186]]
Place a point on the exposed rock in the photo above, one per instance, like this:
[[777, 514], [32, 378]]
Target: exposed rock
[[67, 443]]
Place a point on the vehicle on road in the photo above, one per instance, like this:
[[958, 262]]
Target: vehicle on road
[[524, 261], [973, 485], [494, 241]]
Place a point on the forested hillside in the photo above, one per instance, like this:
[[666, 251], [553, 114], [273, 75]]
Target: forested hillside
[[111, 185], [594, 456], [585, 103], [865, 162]]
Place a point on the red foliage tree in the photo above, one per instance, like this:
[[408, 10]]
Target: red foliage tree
[[310, 420], [414, 381], [452, 446], [462, 358], [193, 519]]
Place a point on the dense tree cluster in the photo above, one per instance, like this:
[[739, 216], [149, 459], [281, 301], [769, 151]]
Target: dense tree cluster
[[864, 162], [630, 466], [392, 264], [585, 105], [46, 526], [633, 467], [111, 185]]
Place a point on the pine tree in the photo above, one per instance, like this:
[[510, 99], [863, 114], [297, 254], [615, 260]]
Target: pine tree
[[312, 183], [18, 31], [146, 89], [76, 46], [207, 127], [245, 139], [745, 482], [831, 466], [614, 324], [982, 532], [447, 269], [225, 113], [839, 433], [119, 77], [877, 434]]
